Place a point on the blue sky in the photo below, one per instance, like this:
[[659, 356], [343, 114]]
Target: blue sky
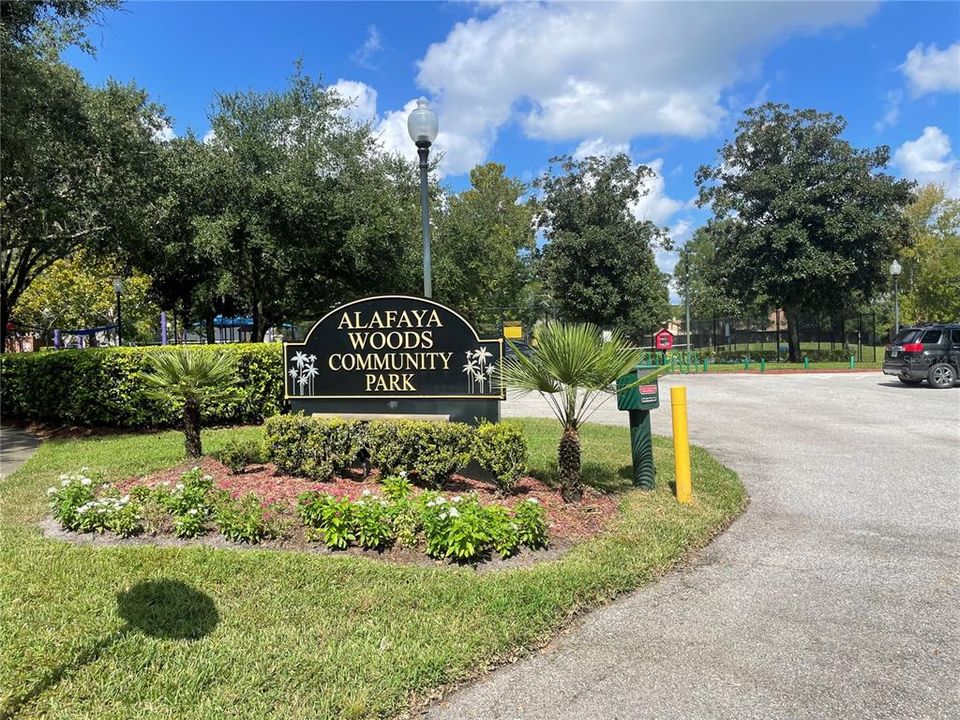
[[518, 83]]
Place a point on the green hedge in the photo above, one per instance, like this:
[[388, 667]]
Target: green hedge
[[100, 387], [320, 447]]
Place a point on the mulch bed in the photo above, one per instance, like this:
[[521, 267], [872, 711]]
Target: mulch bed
[[566, 521]]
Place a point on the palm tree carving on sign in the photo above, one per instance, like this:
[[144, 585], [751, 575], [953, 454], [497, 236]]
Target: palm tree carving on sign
[[480, 371], [303, 372]]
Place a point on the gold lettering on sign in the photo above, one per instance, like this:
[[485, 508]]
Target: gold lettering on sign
[[390, 347]]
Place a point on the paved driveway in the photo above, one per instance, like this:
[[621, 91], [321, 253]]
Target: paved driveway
[[837, 594]]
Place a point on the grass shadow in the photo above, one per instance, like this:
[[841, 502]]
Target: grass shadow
[[165, 609]]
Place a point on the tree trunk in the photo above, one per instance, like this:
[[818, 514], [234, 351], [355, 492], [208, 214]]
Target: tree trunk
[[571, 482], [259, 324], [792, 313], [191, 428], [211, 330], [4, 319]]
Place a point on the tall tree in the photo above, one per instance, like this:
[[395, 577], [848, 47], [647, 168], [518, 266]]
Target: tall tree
[[78, 164], [931, 261], [483, 246], [78, 292], [696, 273], [598, 265], [308, 210], [811, 220]]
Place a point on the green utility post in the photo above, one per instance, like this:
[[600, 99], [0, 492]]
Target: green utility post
[[639, 400]]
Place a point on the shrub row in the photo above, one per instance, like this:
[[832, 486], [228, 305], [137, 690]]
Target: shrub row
[[102, 387], [735, 356], [460, 527], [318, 448]]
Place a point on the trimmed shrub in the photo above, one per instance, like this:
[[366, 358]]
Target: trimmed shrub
[[312, 447], [236, 455], [501, 450], [770, 355], [101, 387], [432, 450]]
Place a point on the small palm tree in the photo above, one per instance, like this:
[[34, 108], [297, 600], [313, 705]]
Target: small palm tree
[[574, 370], [190, 377]]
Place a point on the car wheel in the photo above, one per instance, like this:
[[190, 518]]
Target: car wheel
[[909, 381], [942, 375]]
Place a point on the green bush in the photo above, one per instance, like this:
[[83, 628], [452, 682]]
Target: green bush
[[372, 522], [432, 450], [236, 455], [531, 522], [245, 519], [327, 518], [101, 387], [312, 447], [501, 450]]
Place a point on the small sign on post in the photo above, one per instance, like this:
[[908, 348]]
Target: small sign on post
[[663, 340], [639, 400]]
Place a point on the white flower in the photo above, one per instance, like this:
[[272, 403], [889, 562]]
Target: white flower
[[165, 483], [456, 499], [431, 503], [366, 492], [51, 491], [533, 500], [402, 473], [178, 486], [85, 481], [63, 476], [125, 499], [453, 512], [208, 477], [192, 511], [440, 500], [359, 502], [64, 483]]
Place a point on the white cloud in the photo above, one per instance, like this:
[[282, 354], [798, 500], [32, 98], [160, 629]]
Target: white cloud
[[363, 55], [460, 152], [164, 133], [892, 113], [656, 205], [929, 159], [209, 136], [616, 71], [598, 147], [362, 99], [929, 69]]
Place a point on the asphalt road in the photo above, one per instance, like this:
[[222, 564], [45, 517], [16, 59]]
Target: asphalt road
[[837, 594]]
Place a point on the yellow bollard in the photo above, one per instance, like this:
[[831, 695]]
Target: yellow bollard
[[681, 444]]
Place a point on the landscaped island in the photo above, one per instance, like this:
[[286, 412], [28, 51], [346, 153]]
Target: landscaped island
[[301, 634]]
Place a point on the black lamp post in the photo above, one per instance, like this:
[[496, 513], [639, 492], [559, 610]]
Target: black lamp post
[[118, 289], [895, 270], [423, 127]]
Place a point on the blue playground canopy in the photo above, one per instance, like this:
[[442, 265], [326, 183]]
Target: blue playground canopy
[[244, 323]]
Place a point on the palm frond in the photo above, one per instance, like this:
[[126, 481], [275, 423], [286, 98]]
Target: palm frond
[[184, 374], [572, 367]]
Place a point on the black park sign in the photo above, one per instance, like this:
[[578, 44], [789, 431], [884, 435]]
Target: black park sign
[[392, 347]]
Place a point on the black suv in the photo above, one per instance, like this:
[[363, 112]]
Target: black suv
[[926, 352]]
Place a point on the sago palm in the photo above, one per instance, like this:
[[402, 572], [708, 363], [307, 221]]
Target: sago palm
[[574, 370], [191, 378]]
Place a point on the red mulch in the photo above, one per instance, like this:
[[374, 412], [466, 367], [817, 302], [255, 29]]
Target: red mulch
[[566, 520]]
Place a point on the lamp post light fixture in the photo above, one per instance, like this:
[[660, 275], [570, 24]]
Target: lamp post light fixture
[[118, 289], [423, 127], [895, 270]]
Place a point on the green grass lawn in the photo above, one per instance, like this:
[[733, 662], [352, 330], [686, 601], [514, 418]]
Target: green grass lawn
[[261, 634]]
